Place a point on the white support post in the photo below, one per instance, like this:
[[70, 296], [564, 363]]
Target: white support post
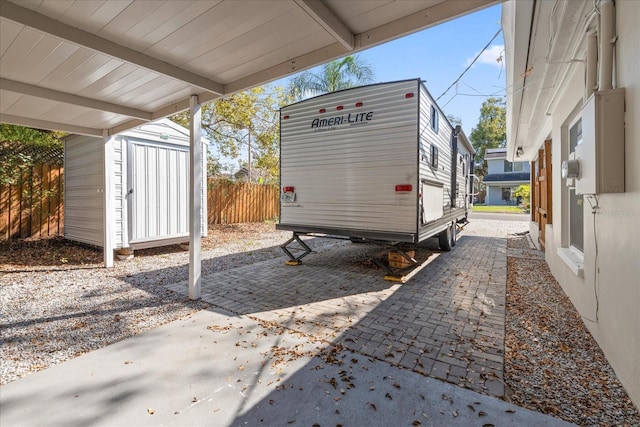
[[195, 198], [109, 201]]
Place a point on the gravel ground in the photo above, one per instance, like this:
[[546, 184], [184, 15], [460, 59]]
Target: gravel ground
[[552, 363], [58, 302]]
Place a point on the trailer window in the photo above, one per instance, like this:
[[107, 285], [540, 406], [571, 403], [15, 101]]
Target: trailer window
[[434, 156], [434, 119]]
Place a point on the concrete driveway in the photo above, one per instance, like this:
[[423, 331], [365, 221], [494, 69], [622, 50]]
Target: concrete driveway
[[328, 342]]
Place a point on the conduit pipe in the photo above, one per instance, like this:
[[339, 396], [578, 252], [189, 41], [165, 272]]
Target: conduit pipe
[[607, 40], [592, 64]]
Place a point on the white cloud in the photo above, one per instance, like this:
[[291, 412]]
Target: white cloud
[[494, 55]]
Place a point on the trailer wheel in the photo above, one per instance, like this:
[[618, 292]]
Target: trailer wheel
[[445, 239], [454, 233]]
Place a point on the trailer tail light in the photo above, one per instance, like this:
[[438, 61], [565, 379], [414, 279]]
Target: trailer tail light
[[339, 107], [404, 187], [288, 189], [322, 110], [408, 95], [359, 104], [285, 117]]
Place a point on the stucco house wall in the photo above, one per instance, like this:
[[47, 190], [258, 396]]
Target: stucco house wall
[[604, 281]]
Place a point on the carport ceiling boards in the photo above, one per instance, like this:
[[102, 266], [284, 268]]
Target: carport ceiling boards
[[90, 67]]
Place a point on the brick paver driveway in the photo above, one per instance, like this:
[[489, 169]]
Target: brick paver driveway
[[446, 322]]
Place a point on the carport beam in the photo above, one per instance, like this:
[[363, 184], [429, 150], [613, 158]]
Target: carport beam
[[195, 198]]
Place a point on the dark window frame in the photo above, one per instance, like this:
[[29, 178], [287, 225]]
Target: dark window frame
[[434, 119], [434, 156]]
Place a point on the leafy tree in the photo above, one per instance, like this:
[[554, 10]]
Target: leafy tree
[[242, 119], [21, 148], [454, 120], [336, 75], [524, 192], [491, 131]]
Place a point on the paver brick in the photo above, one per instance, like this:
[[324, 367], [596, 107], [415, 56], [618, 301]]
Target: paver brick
[[447, 321]]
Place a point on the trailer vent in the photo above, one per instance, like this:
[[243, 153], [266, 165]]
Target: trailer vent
[[404, 187]]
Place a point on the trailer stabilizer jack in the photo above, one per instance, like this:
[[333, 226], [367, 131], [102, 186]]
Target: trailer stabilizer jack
[[295, 260]]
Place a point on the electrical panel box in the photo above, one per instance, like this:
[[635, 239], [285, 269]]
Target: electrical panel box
[[601, 154]]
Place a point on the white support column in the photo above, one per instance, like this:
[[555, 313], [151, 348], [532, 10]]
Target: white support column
[[109, 201], [195, 198]]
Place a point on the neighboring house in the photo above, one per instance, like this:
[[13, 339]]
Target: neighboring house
[[574, 95], [503, 177]]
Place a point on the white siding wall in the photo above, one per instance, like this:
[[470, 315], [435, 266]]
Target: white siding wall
[[84, 190], [345, 176], [442, 140]]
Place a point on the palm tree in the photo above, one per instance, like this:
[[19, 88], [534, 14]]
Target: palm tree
[[336, 75]]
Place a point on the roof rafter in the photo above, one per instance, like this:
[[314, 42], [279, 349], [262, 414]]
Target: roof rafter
[[420, 20], [44, 124], [83, 38], [67, 98], [329, 21]]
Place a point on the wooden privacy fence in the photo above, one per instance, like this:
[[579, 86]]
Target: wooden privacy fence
[[235, 202], [33, 206]]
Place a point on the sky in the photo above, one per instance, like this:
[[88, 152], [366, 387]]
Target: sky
[[439, 55]]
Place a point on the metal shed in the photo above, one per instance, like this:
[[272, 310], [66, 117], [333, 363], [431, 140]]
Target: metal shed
[[151, 187]]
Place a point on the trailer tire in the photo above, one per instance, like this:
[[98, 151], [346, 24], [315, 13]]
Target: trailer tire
[[454, 233], [445, 239]]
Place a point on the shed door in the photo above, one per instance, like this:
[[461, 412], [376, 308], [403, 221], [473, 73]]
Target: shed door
[[158, 200]]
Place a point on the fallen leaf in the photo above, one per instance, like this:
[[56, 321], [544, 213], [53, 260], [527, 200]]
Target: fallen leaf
[[151, 411], [455, 412], [482, 414], [510, 411], [388, 396], [416, 423]]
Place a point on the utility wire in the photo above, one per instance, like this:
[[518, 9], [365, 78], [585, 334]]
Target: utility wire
[[470, 65]]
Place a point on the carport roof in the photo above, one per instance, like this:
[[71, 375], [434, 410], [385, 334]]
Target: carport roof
[[96, 67]]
